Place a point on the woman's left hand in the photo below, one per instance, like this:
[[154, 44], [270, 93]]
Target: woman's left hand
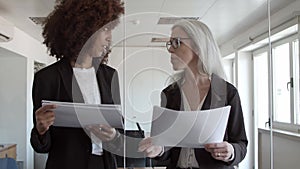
[[220, 151], [102, 132]]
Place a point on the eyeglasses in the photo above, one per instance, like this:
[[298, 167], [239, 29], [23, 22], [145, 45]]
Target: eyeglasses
[[174, 42]]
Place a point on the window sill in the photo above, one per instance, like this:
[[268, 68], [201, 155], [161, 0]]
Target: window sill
[[281, 133]]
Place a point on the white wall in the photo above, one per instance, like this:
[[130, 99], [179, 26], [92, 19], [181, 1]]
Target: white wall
[[28, 47], [16, 72], [228, 63], [146, 74], [245, 87], [286, 150], [13, 102]]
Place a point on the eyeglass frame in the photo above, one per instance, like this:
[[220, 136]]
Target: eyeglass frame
[[177, 40]]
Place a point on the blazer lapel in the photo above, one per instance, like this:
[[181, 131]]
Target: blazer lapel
[[70, 82], [105, 92], [217, 94], [174, 100]]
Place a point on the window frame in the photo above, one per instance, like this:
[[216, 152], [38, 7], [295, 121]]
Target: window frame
[[294, 97]]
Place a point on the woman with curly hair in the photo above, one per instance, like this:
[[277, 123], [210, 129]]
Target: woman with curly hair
[[78, 34]]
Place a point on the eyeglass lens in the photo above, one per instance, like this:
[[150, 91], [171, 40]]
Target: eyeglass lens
[[174, 42]]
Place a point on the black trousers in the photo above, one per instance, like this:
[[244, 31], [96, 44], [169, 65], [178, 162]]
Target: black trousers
[[96, 162]]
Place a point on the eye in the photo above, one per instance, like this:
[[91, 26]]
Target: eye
[[175, 42]]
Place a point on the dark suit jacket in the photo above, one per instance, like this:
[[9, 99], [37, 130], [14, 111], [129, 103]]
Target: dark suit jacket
[[70, 148], [221, 93]]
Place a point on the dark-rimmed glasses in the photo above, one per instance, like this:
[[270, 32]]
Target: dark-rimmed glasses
[[174, 42]]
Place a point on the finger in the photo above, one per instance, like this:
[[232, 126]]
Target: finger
[[48, 107], [215, 145], [106, 127], [44, 115], [108, 133], [102, 135], [143, 147], [146, 140], [225, 147], [49, 115], [47, 123], [155, 151], [50, 120], [145, 144], [152, 154], [95, 130], [45, 119], [218, 156], [149, 149]]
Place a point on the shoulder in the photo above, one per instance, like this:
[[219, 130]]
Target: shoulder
[[107, 72], [223, 88], [171, 88], [50, 72], [107, 68], [231, 88], [220, 85]]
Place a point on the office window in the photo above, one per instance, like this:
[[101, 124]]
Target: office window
[[281, 83], [261, 88], [285, 84], [297, 80]]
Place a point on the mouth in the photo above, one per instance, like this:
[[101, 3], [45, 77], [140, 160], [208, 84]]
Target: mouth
[[106, 50], [174, 59]]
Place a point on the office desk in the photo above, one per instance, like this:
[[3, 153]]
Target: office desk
[[8, 150]]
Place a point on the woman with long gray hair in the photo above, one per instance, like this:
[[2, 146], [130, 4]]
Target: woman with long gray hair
[[200, 85]]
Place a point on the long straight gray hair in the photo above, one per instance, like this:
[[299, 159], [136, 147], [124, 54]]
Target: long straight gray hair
[[204, 45]]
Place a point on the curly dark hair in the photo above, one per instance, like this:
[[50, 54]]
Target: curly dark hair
[[73, 22]]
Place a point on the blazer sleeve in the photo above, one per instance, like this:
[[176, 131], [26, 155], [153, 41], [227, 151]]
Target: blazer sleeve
[[115, 88], [236, 128], [116, 146], [41, 90]]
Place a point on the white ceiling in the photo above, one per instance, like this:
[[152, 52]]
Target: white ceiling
[[226, 18]]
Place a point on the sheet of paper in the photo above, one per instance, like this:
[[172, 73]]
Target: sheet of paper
[[79, 115], [188, 128]]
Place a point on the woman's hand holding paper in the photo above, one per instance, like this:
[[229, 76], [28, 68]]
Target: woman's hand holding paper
[[151, 150]]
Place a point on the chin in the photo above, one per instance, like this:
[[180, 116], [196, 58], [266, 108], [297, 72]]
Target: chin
[[177, 68]]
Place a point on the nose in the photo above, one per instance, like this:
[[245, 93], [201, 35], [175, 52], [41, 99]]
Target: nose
[[171, 49]]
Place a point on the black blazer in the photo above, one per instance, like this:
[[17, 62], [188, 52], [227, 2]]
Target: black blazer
[[221, 93], [70, 148]]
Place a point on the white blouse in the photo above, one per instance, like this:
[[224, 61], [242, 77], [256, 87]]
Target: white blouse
[[87, 81], [187, 155]]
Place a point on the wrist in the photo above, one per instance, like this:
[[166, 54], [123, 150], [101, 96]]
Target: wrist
[[117, 135], [232, 154], [162, 152]]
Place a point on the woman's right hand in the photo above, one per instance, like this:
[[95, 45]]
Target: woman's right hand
[[146, 146], [44, 118]]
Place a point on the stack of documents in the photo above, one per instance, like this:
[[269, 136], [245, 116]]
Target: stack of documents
[[79, 115], [188, 128]]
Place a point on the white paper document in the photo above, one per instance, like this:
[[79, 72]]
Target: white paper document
[[188, 128], [79, 115]]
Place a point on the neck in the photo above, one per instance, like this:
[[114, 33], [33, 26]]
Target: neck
[[192, 75], [83, 62]]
